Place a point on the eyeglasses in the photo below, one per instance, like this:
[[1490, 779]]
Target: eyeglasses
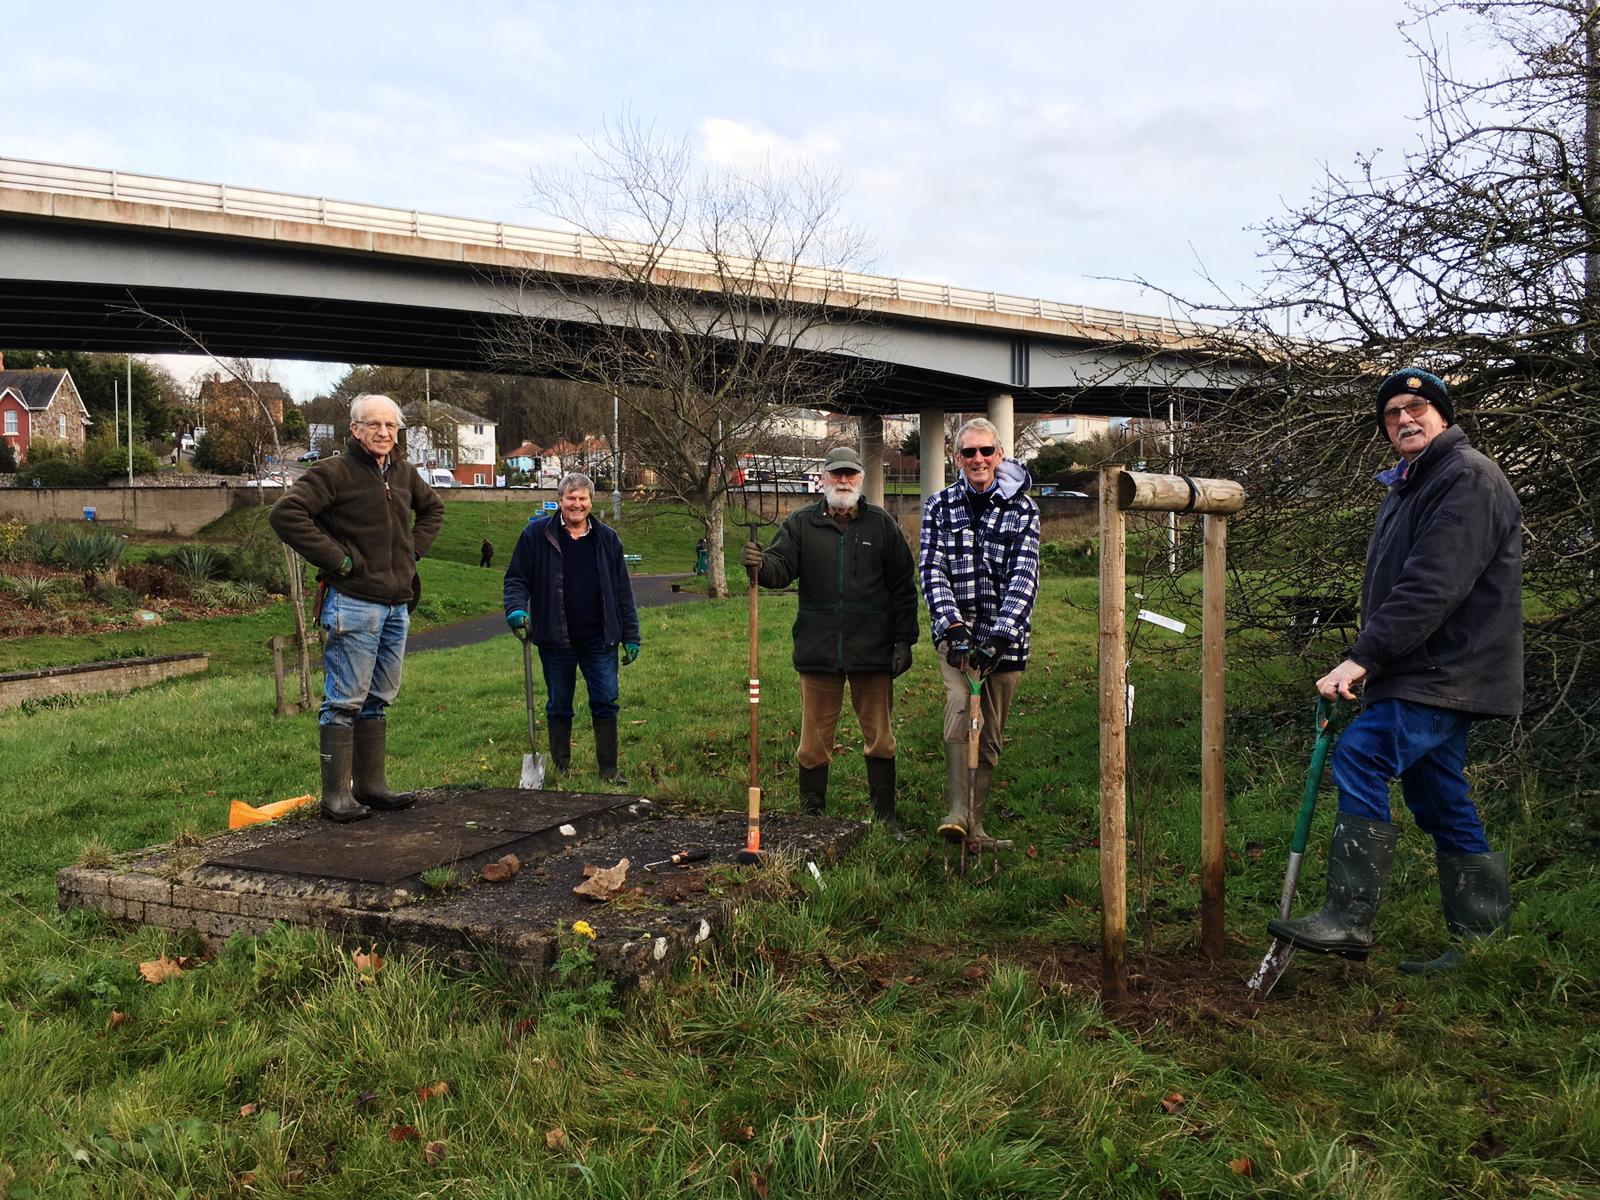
[[1411, 408], [376, 425], [974, 451]]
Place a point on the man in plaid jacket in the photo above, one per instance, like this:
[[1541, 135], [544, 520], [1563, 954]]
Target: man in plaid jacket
[[979, 566]]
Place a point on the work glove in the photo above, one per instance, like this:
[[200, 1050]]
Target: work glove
[[751, 557], [986, 657], [900, 660], [957, 644], [344, 568], [630, 651], [518, 620]]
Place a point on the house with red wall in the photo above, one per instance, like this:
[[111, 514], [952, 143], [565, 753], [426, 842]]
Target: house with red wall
[[41, 403]]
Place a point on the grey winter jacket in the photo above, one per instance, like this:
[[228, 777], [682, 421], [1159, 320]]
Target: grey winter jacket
[[1441, 601]]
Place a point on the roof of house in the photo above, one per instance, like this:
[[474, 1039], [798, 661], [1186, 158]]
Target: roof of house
[[36, 385], [264, 389], [459, 415], [526, 450]]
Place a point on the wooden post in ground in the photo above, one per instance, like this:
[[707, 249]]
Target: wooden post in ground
[[277, 645], [1113, 743], [1213, 633], [1131, 491]]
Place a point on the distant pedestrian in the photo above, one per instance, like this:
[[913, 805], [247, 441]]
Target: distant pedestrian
[[486, 553]]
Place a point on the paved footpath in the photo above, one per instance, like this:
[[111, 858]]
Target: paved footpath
[[649, 591]]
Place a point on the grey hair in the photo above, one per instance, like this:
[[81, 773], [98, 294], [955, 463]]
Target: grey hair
[[982, 425], [367, 398], [575, 481]]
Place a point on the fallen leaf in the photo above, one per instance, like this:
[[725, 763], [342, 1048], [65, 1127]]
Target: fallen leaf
[[247, 1180], [1033, 851], [1172, 1102], [555, 1139], [758, 1185], [160, 970], [602, 883], [294, 1176], [975, 972], [402, 1133], [1241, 1166], [429, 1091], [367, 964], [1490, 1145], [116, 1018], [248, 1110], [365, 1098], [433, 1153], [1096, 1033]]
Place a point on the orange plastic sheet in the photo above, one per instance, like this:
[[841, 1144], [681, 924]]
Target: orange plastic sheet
[[241, 814]]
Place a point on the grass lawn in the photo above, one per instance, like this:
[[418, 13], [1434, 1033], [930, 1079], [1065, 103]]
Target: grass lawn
[[904, 1033]]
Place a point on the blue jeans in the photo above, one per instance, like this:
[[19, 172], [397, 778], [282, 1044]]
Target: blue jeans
[[365, 645], [1426, 749], [597, 660]]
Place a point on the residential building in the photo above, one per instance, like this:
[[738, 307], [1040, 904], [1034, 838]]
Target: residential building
[[441, 435], [238, 399], [41, 403]]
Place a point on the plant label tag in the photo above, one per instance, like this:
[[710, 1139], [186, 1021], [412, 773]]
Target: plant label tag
[[1156, 618]]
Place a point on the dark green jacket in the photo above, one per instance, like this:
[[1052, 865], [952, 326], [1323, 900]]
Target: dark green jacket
[[858, 588], [346, 507]]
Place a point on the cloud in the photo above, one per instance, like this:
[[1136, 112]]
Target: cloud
[[729, 143]]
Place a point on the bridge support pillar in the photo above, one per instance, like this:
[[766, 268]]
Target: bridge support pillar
[[1000, 412], [930, 423], [872, 458]]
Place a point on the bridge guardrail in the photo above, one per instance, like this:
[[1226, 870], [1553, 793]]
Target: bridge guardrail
[[258, 202]]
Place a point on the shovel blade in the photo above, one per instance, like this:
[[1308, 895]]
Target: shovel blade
[[1272, 967], [532, 772]]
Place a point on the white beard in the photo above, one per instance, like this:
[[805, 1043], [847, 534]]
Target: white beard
[[842, 496]]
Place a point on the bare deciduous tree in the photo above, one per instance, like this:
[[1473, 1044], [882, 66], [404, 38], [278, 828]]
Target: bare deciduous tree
[[711, 304]]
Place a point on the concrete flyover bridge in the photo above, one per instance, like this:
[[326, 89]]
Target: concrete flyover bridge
[[86, 254]]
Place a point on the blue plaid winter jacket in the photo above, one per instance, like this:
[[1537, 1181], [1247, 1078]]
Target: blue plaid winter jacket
[[985, 577]]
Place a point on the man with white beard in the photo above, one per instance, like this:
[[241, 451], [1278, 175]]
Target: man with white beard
[[856, 624]]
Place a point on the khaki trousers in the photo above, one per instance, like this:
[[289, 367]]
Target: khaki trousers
[[994, 704], [821, 701]]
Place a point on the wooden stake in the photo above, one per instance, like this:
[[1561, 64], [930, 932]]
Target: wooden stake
[[1212, 806], [1113, 744], [276, 645]]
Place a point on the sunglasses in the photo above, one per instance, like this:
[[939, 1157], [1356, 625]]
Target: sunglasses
[[974, 451], [1412, 408]]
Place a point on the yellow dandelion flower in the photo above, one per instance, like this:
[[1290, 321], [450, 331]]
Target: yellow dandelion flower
[[583, 929]]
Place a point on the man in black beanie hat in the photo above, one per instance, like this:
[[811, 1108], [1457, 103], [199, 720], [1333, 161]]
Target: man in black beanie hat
[[1440, 646]]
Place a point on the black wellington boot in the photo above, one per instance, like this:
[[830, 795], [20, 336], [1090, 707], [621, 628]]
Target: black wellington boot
[[814, 790], [1358, 870], [1475, 892], [369, 783], [561, 744], [881, 787], [337, 802], [605, 750]]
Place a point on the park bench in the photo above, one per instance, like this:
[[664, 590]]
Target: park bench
[[633, 560]]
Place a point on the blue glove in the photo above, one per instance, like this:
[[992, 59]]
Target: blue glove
[[518, 620], [986, 658], [630, 651]]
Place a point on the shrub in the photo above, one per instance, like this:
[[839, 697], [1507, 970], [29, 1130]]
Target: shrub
[[198, 563], [259, 560], [215, 593], [44, 545], [1068, 558], [36, 591], [8, 457], [152, 580], [208, 458], [110, 462], [56, 472], [13, 541], [91, 550], [117, 597]]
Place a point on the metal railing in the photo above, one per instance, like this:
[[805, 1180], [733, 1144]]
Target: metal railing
[[318, 210]]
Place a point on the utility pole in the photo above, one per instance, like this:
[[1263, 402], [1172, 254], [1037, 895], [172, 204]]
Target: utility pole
[[130, 420], [116, 413]]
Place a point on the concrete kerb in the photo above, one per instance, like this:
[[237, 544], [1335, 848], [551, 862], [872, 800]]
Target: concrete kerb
[[659, 918]]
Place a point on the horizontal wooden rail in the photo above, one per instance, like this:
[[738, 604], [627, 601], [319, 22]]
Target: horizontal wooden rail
[[1139, 492]]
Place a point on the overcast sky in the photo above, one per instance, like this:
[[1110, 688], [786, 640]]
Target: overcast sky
[[1046, 149]]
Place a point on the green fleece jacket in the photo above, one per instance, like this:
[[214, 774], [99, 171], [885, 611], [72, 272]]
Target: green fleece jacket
[[383, 520], [858, 587]]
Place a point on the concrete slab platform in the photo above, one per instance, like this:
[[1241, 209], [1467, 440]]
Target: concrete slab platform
[[363, 883]]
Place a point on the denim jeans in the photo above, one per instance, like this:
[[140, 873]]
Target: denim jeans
[[1426, 749], [365, 646], [597, 659]]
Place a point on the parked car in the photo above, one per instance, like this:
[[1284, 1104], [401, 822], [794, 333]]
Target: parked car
[[440, 478], [271, 479], [309, 456]]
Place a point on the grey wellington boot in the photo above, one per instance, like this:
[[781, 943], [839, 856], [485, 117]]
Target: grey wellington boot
[[980, 801], [605, 750], [813, 783], [369, 784], [881, 787], [560, 743], [1358, 871], [337, 802], [1475, 892], [954, 826]]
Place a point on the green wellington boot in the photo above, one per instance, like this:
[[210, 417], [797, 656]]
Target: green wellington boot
[[980, 801], [1358, 870], [954, 826], [369, 783], [881, 787], [337, 802], [813, 783], [1475, 893]]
